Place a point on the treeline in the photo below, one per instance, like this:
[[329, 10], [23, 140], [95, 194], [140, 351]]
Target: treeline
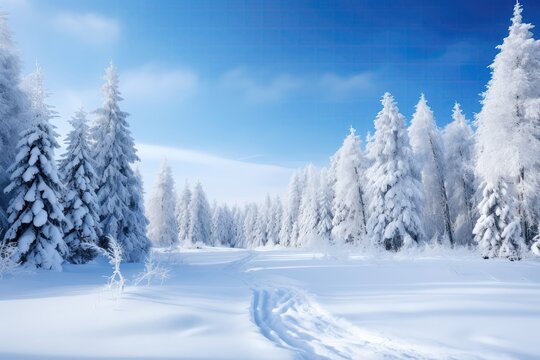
[[456, 186]]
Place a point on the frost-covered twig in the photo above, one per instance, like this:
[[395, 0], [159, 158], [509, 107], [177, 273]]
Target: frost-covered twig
[[152, 270], [113, 252], [7, 264]]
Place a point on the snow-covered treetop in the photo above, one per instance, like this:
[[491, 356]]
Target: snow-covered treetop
[[37, 94], [423, 130]]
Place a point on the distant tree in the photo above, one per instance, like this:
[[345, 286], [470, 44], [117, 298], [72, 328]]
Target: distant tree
[[119, 189], [460, 181], [289, 226], [276, 219], [308, 220], [35, 213], [182, 213], [163, 228], [428, 149], [325, 199], [349, 208], [394, 186], [200, 218], [81, 228]]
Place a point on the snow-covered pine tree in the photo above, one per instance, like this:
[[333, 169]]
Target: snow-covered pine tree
[[289, 226], [249, 226], [237, 227], [348, 208], [81, 230], [274, 225], [308, 217], [35, 213], [200, 218], [222, 226], [427, 145], [182, 213], [14, 107], [458, 139], [497, 230], [120, 209], [325, 199], [394, 186], [508, 134], [163, 228], [260, 236]]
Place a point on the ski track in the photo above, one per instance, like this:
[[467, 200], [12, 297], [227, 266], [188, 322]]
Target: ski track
[[292, 320]]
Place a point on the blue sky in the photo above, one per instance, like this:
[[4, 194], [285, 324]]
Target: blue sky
[[273, 84]]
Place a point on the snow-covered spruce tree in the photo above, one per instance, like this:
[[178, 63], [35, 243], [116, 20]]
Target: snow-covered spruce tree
[[249, 226], [14, 107], [35, 212], [260, 237], [120, 209], [289, 226], [427, 145], [182, 213], [508, 134], [497, 230], [394, 186], [325, 199], [348, 208], [274, 224], [81, 229], [163, 227], [238, 227], [222, 226], [308, 217], [458, 139], [200, 218]]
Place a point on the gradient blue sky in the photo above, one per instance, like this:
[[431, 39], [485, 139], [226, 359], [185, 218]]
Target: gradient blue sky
[[261, 82]]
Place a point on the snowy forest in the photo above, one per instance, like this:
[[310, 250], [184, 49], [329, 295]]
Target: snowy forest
[[469, 184]]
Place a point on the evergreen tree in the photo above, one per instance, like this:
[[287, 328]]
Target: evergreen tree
[[222, 226], [497, 230], [249, 227], [460, 181], [309, 209], [274, 224], [349, 221], [182, 213], [119, 189], [35, 212], [427, 147], [200, 218], [14, 108], [163, 229], [81, 228], [508, 135], [289, 226], [394, 186], [325, 199]]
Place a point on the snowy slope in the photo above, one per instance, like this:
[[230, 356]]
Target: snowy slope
[[279, 304]]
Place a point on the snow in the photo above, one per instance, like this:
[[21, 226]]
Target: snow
[[243, 304]]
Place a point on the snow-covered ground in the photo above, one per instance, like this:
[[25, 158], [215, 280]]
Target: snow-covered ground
[[279, 304]]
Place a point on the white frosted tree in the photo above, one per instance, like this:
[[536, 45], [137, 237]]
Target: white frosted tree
[[81, 230], [349, 208], [222, 226], [308, 217], [394, 186], [274, 224], [508, 130], [458, 138], [182, 213], [163, 227], [14, 107], [238, 227], [35, 213], [325, 200], [497, 230], [249, 226], [121, 210], [427, 145], [289, 226], [200, 218]]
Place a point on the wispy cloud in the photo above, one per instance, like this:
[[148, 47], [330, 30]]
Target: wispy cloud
[[153, 83], [257, 91], [91, 28], [225, 180], [338, 87]]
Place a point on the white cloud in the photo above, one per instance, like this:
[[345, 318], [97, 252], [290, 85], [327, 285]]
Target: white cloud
[[225, 180], [336, 87], [259, 92], [91, 28], [152, 83]]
